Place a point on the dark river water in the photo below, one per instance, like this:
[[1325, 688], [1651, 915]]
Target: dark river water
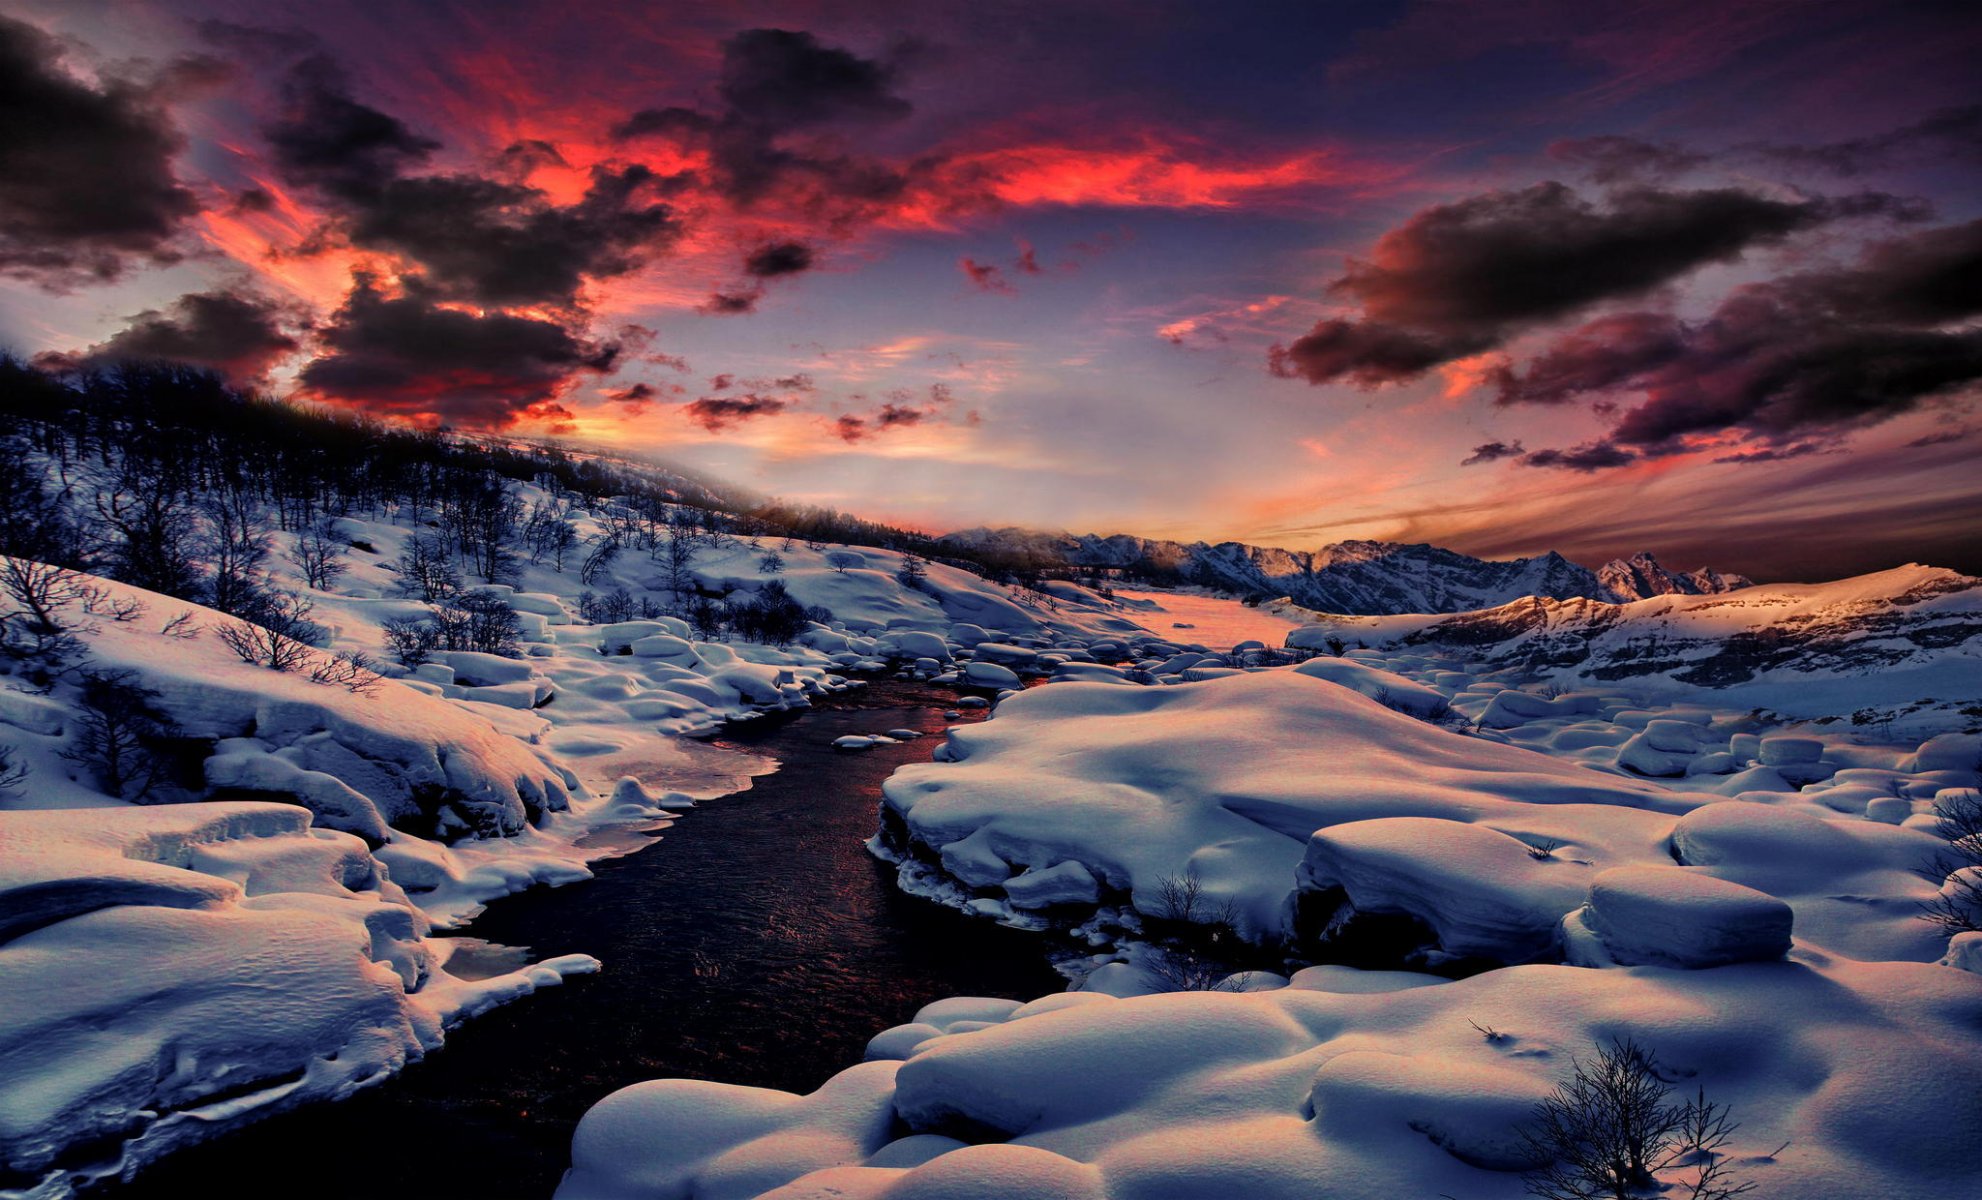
[[756, 942]]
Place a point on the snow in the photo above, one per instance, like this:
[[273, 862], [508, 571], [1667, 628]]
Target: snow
[[1227, 779], [1678, 918], [1633, 853], [1690, 911], [1901, 647], [323, 837], [175, 968], [1361, 1093]]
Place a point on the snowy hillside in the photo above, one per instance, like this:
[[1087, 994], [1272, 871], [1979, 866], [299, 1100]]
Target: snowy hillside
[[1350, 577]]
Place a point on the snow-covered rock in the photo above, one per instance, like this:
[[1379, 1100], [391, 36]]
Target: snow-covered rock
[[1674, 917]]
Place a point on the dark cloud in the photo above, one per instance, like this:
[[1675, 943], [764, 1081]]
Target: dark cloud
[[489, 239], [1615, 159], [786, 79], [719, 413], [1601, 354], [254, 200], [1949, 133], [731, 303], [238, 333], [1591, 456], [636, 395], [520, 158], [407, 355], [1782, 366], [1367, 353], [985, 277], [328, 140], [779, 258], [1492, 452], [1459, 278], [87, 188], [498, 243], [774, 83], [896, 413], [895, 416], [1476, 267], [1027, 263]]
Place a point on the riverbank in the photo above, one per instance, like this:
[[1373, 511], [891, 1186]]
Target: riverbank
[[756, 943]]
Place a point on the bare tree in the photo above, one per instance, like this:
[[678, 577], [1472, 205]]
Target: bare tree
[[426, 569], [1612, 1133], [150, 534], [319, 554], [605, 551], [33, 630], [680, 553], [236, 547]]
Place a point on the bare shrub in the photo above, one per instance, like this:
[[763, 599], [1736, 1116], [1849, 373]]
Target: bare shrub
[[1958, 869], [13, 772], [118, 732], [481, 621], [411, 640], [346, 669], [276, 633], [1613, 1133], [1190, 957]]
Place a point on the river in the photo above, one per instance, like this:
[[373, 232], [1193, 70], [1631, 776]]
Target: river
[[756, 942]]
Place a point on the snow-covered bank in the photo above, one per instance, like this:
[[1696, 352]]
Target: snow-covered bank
[[173, 970], [1363, 1086]]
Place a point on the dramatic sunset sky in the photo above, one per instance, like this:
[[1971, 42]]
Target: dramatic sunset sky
[[1695, 277]]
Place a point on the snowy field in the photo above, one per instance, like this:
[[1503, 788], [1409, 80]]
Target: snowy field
[[1508, 856]]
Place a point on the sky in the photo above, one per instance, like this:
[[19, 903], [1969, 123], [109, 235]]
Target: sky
[[1699, 277]]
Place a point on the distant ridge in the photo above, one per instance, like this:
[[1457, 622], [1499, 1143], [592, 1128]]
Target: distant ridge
[[1357, 577]]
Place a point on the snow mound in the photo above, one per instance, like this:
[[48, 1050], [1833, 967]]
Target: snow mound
[[1675, 917], [395, 757], [1358, 1093], [173, 971], [1224, 779]]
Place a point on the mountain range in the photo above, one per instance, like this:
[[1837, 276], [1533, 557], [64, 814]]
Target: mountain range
[[1354, 577]]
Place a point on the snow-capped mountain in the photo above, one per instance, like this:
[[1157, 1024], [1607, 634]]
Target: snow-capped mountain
[[1360, 577], [1918, 628]]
